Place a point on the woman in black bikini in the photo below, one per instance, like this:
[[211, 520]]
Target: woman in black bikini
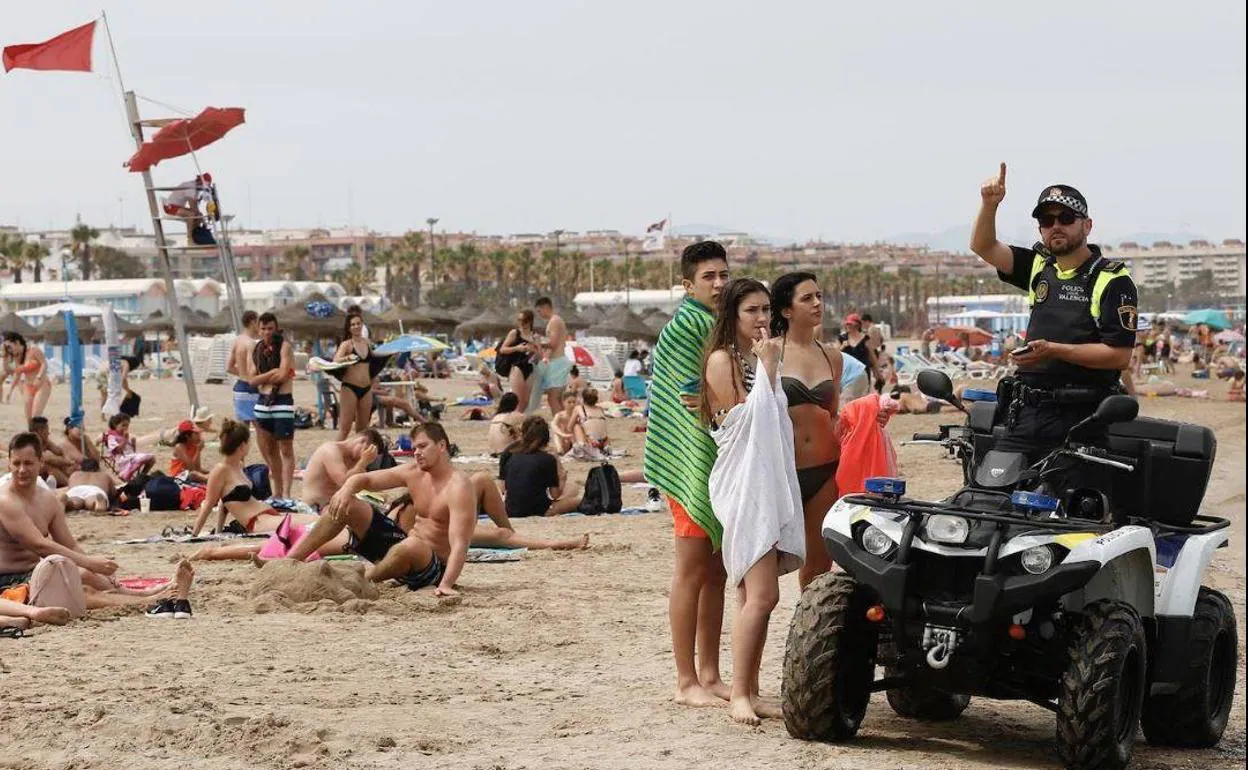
[[520, 341], [355, 402], [797, 316], [229, 486]]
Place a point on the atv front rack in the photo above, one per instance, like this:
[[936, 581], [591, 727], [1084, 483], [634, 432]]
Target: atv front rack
[[1201, 525]]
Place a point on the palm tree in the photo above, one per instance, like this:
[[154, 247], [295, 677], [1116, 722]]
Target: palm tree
[[466, 256], [293, 260], [35, 252], [355, 279], [498, 259], [7, 246], [81, 237], [17, 257], [522, 267], [413, 250], [385, 258]]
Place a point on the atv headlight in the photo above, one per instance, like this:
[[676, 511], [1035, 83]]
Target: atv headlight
[[1037, 560], [942, 528], [874, 541]]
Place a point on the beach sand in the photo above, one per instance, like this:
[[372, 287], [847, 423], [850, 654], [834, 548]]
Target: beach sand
[[559, 660]]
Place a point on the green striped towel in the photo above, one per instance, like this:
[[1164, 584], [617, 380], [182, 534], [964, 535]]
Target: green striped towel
[[679, 452]]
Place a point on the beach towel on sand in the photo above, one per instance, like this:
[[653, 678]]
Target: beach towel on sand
[[866, 450], [753, 484]]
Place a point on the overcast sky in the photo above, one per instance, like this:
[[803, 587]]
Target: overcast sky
[[850, 121]]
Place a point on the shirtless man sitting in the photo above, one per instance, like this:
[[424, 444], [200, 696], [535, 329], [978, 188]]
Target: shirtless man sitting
[[334, 462], [434, 551], [35, 537], [89, 489], [55, 463]]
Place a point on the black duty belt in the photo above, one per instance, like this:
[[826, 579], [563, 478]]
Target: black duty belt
[[1025, 395]]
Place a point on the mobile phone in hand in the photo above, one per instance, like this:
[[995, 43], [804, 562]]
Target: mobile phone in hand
[[1021, 350]]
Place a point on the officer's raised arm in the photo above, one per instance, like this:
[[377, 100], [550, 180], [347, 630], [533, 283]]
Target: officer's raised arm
[[984, 237]]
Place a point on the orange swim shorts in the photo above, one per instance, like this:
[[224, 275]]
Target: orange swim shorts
[[684, 526]]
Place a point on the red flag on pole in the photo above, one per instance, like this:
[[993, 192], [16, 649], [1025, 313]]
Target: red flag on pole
[[70, 51]]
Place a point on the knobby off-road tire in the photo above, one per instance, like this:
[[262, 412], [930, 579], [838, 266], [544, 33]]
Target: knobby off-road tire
[[926, 703], [1196, 715], [1102, 690], [829, 662]]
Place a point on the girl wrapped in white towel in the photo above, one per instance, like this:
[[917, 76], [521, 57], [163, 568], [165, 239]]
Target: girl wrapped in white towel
[[753, 485]]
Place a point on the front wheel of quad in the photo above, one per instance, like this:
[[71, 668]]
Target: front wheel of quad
[[829, 662], [1195, 716], [1102, 689], [927, 704]]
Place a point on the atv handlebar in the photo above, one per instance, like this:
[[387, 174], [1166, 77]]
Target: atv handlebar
[[927, 437], [1084, 453]]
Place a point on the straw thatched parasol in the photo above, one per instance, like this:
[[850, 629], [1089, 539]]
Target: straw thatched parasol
[[328, 322], [623, 325], [488, 322], [194, 321], [124, 328], [657, 319], [53, 331], [571, 319], [464, 313], [12, 322], [411, 318]]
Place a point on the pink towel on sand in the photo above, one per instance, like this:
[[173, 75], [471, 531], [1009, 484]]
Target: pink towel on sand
[[283, 540]]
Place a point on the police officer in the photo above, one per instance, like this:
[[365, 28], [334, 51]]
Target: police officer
[[1083, 317]]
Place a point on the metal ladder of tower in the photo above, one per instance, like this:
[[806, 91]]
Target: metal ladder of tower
[[165, 248]]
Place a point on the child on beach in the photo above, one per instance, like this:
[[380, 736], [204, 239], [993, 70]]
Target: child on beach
[[122, 450], [679, 454]]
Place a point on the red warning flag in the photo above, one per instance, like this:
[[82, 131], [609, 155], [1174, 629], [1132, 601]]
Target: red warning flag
[[69, 51]]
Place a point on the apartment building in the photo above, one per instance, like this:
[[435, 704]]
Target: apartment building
[[1166, 264]]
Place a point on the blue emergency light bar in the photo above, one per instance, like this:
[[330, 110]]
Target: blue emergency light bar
[[1034, 501], [886, 486]]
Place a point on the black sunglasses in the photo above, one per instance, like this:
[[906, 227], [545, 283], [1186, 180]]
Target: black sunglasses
[[1066, 218]]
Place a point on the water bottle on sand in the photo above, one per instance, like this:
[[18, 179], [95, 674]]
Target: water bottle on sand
[[145, 504]]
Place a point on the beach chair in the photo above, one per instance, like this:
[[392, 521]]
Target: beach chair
[[976, 370], [636, 388]]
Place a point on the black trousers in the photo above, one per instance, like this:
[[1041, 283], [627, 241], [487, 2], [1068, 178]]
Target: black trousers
[[1039, 430]]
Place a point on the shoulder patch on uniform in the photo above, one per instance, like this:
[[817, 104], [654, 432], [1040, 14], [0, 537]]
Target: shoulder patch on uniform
[[1128, 316], [1115, 266], [1042, 291]]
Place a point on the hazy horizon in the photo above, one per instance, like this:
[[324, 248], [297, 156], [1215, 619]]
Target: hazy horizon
[[792, 120]]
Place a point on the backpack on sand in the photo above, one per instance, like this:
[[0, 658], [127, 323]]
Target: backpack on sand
[[602, 491]]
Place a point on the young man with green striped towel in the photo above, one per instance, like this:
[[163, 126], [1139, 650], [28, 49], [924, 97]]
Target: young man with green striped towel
[[679, 455]]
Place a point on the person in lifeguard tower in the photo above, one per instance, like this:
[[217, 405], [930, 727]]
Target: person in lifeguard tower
[[183, 203]]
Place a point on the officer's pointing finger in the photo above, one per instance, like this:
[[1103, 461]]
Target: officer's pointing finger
[[1001, 177]]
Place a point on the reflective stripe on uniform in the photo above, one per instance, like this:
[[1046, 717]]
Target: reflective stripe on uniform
[[1037, 264], [1102, 282]]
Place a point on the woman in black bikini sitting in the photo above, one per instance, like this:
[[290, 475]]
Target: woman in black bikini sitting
[[797, 316], [355, 402], [229, 486], [520, 341]]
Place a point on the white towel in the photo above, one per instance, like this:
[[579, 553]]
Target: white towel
[[754, 489]]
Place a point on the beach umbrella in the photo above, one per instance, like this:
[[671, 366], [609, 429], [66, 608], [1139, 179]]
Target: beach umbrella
[[186, 135], [124, 328], [410, 343], [487, 322], [623, 325], [440, 317], [1228, 336], [657, 319], [409, 318], [13, 323], [1215, 319], [464, 313], [194, 321], [53, 331], [316, 316], [577, 354], [571, 319], [953, 335]]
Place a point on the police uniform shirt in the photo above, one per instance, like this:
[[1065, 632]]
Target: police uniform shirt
[[1095, 302]]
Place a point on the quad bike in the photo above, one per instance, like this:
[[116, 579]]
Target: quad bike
[[1084, 598]]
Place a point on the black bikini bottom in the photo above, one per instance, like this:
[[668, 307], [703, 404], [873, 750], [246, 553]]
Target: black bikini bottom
[[811, 480], [360, 392]]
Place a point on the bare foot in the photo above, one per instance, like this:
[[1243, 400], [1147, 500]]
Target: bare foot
[[696, 696], [203, 554], [7, 621], [52, 616], [715, 686], [767, 708], [182, 579], [741, 710]]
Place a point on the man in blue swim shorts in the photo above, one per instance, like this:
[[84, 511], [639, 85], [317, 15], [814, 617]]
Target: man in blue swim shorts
[[272, 371], [551, 374], [245, 394]]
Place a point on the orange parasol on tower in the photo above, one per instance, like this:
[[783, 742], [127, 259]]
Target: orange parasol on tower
[[186, 135]]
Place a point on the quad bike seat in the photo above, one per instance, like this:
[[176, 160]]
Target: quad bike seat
[[1173, 463]]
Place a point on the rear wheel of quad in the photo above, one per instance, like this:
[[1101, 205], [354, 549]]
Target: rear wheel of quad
[[829, 663], [926, 704], [1196, 715], [1102, 690]]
